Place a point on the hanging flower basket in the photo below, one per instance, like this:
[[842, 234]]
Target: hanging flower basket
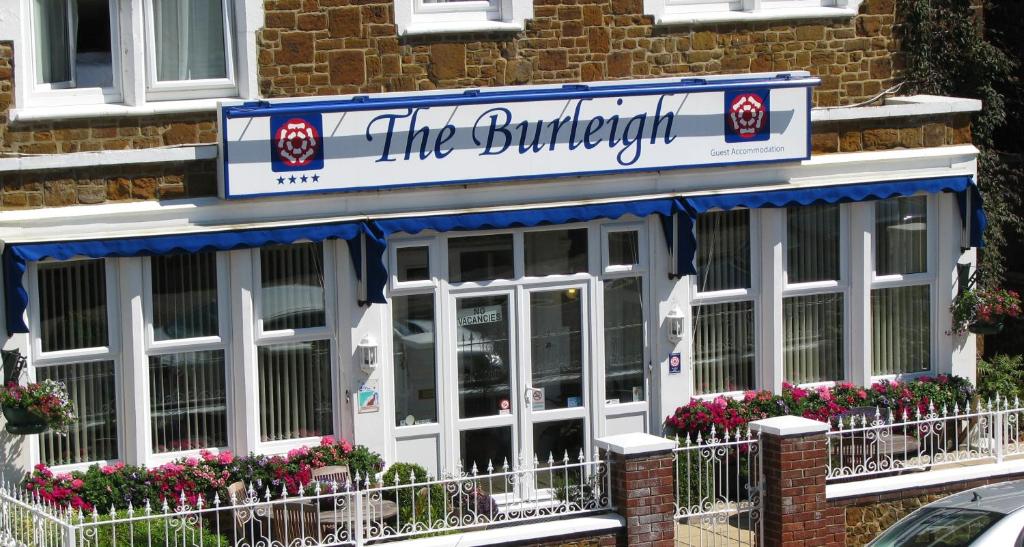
[[22, 421], [985, 328], [983, 310], [36, 407]]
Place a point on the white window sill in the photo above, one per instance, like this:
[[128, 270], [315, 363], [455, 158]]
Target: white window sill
[[33, 114], [456, 27], [788, 14]]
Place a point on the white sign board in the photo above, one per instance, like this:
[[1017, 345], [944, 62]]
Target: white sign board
[[361, 143]]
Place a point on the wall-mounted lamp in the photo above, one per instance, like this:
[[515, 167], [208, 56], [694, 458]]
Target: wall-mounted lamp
[[676, 324], [368, 354]]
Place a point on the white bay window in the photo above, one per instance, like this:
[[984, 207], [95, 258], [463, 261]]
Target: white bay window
[[187, 374], [294, 344], [814, 296], [76, 344], [724, 301], [902, 286]]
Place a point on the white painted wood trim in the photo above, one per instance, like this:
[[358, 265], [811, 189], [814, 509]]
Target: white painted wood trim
[[897, 107], [920, 480], [109, 158], [707, 18]]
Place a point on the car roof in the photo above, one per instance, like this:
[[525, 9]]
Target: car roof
[[1005, 497]]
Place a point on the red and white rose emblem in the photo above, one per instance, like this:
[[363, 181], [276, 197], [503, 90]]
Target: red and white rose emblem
[[297, 142], [747, 115]]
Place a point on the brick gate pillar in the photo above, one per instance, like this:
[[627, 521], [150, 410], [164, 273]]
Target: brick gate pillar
[[642, 490], [795, 464]]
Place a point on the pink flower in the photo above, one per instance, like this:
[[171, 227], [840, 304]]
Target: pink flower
[[225, 458], [326, 441], [346, 446], [77, 483], [192, 462]]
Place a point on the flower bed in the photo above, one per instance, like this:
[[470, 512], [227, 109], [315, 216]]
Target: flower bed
[[118, 485], [822, 403], [43, 405]]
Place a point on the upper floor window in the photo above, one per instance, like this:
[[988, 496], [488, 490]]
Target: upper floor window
[[75, 41], [701, 11], [447, 16], [189, 48], [104, 51]]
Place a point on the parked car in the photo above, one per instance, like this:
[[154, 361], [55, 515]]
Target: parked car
[[991, 515]]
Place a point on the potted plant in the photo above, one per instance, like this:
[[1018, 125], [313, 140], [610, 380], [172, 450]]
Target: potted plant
[[982, 311], [36, 407]]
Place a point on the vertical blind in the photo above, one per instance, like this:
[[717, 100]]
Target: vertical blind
[[292, 286], [188, 401], [812, 325], [295, 390], [901, 329], [723, 341], [812, 243], [901, 235], [91, 389], [624, 339], [184, 296], [73, 304], [723, 250], [813, 337]]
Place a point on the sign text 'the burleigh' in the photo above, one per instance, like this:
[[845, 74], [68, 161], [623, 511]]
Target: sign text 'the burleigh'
[[496, 131]]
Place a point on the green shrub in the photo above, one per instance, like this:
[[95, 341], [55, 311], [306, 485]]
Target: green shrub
[[695, 479], [430, 504], [157, 531], [1001, 376]]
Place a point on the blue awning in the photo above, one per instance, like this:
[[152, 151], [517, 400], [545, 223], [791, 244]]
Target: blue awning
[[968, 196], [17, 255]]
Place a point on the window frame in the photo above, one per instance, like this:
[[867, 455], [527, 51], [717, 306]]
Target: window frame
[[890, 281], [413, 17], [67, 93], [611, 272], [676, 12], [111, 352], [326, 332], [842, 286], [190, 89], [752, 294], [154, 348]]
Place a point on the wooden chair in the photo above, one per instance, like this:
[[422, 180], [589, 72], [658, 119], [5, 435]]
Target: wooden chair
[[244, 524], [292, 521], [332, 473]]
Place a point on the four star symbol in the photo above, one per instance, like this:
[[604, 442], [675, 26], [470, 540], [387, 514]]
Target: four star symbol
[[303, 178]]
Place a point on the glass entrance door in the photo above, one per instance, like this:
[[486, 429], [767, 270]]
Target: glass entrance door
[[555, 416], [522, 378], [486, 426]]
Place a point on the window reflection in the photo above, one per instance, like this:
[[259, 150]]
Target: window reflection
[[556, 347], [480, 258], [414, 358]]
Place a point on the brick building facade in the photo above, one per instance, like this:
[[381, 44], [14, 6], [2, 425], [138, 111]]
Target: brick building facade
[[115, 173]]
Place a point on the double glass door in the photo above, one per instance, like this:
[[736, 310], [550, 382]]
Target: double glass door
[[521, 378]]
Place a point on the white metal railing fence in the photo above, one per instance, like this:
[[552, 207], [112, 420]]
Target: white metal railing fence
[[324, 514], [879, 442], [718, 482]]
